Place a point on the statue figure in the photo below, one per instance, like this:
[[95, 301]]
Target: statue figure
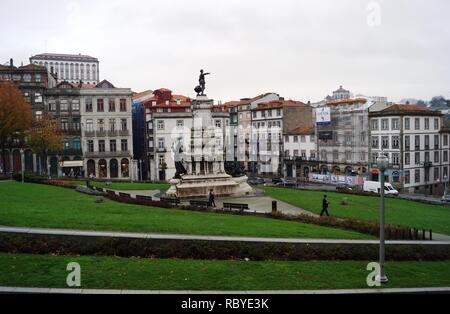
[[200, 89], [177, 148]]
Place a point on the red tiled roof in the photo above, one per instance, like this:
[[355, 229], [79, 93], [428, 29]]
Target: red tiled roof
[[280, 103], [398, 107], [303, 130], [346, 101]]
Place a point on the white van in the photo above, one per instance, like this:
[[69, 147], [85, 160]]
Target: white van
[[374, 187]]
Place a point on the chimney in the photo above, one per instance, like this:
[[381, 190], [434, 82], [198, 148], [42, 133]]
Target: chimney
[[11, 63]]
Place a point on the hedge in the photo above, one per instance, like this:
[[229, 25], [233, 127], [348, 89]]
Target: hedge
[[203, 249]]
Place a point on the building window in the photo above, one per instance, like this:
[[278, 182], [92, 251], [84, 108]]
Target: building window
[[395, 124], [90, 145], [123, 104], [286, 139], [64, 124], [286, 153], [161, 160], [436, 173], [417, 124], [101, 146], [101, 124], [436, 156], [427, 142], [180, 123], [374, 141], [112, 105], [395, 142], [445, 140], [302, 139], [407, 158], [417, 158], [124, 145], [27, 77], [278, 112], [89, 125], [436, 124], [160, 124], [385, 124], [417, 142], [112, 146], [76, 124], [348, 155], [407, 177], [385, 142], [407, 121], [395, 159], [218, 123], [407, 142], [296, 152], [427, 156], [75, 105], [88, 104], [52, 105], [374, 124], [112, 125], [427, 124], [436, 141], [100, 107], [445, 157], [37, 78], [417, 175], [161, 143], [295, 139], [123, 124], [64, 105]]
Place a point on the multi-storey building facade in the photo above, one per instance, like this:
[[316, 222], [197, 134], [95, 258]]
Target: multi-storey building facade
[[63, 103], [69, 67], [300, 157], [417, 147], [162, 102], [343, 145], [32, 80], [106, 122], [270, 120], [171, 131]]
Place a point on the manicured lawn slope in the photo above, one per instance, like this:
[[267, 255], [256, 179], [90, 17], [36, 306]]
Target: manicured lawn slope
[[36, 205], [174, 274], [398, 211], [125, 185]]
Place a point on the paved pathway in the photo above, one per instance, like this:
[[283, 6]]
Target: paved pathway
[[134, 235], [203, 292]]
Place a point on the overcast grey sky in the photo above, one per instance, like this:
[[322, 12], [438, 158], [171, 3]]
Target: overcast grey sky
[[300, 49]]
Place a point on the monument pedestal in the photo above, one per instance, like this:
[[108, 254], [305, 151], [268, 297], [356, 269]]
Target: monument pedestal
[[204, 161]]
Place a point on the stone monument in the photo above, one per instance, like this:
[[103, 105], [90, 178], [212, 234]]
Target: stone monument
[[201, 168]]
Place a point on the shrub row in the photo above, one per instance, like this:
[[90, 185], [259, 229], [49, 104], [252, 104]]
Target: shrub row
[[202, 249], [392, 232]]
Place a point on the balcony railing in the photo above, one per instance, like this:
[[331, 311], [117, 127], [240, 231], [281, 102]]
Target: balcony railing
[[100, 133], [112, 133], [161, 150], [107, 154], [89, 133], [124, 132]]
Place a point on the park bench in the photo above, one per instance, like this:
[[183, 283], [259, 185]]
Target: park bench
[[199, 203], [110, 192], [124, 194], [170, 200], [239, 206], [144, 198]]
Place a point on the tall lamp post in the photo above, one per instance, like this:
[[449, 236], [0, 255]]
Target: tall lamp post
[[382, 163], [22, 163]]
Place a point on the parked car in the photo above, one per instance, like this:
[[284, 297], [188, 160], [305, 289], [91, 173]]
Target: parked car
[[445, 198], [287, 182], [276, 180], [374, 187], [256, 180], [343, 187]]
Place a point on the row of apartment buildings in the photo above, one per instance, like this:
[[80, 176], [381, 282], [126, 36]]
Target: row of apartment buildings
[[95, 120], [113, 133], [271, 136]]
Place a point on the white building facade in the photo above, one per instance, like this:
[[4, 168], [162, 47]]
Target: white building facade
[[107, 142], [418, 151], [72, 68]]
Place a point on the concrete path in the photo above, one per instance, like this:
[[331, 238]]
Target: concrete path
[[203, 292], [134, 235], [133, 193]]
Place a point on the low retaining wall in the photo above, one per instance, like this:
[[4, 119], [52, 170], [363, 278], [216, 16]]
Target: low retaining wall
[[206, 249]]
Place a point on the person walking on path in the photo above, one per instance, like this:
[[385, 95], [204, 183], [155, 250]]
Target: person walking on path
[[211, 198], [324, 206]]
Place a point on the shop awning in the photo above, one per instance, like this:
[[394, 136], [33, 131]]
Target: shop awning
[[71, 163], [375, 171]]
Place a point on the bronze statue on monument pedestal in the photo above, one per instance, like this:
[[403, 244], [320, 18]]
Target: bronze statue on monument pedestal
[[200, 88]]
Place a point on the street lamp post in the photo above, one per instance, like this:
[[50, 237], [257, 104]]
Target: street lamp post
[[140, 169], [382, 163], [445, 185], [22, 164]]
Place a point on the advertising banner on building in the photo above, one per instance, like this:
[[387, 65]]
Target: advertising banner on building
[[323, 115]]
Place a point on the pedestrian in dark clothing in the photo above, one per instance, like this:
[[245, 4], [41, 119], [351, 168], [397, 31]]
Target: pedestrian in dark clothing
[[211, 198], [324, 206]]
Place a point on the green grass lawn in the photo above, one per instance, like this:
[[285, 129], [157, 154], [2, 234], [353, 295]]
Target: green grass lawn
[[174, 274], [398, 211], [37, 205], [124, 185]]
